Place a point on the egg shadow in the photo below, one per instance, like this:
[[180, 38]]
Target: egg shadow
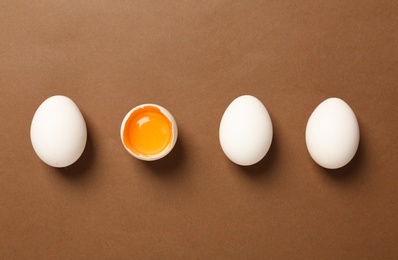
[[81, 168], [264, 167], [351, 171], [169, 167]]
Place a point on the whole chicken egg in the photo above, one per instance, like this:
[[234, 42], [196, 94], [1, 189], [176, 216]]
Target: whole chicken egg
[[245, 131], [58, 132], [332, 134]]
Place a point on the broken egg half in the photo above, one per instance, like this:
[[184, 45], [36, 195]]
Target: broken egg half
[[149, 132]]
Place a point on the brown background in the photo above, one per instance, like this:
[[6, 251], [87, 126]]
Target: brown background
[[194, 58]]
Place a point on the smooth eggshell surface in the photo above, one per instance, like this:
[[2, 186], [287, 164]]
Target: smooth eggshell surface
[[332, 134], [58, 132], [245, 131]]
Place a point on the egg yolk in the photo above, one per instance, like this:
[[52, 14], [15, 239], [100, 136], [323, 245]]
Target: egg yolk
[[147, 131]]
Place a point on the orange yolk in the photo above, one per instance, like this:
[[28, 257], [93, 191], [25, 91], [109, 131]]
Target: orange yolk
[[148, 131]]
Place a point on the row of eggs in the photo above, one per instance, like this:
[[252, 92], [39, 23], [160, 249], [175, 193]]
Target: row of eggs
[[149, 132]]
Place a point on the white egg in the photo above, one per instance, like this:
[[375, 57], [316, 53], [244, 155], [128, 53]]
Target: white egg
[[58, 132], [245, 131], [332, 134]]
